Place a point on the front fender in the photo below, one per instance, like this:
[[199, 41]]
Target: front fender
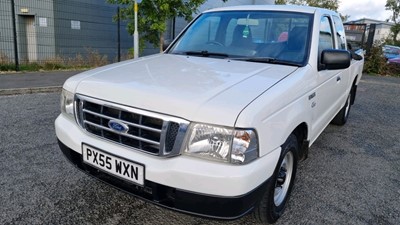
[[276, 113]]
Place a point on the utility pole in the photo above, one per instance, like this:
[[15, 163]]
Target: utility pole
[[15, 35]]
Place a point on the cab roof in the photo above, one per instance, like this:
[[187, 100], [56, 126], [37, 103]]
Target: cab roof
[[286, 8]]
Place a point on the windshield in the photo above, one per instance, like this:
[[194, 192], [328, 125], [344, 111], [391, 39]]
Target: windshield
[[248, 35]]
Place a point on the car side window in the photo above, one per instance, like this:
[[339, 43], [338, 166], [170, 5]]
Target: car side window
[[325, 36], [340, 35]]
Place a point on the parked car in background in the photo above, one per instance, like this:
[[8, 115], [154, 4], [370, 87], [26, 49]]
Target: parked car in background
[[394, 60], [390, 51]]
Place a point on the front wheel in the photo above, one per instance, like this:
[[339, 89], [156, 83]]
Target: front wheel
[[274, 200]]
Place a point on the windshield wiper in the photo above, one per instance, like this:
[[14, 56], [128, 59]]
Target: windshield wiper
[[268, 60], [205, 53]]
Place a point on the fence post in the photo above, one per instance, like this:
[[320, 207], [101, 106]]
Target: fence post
[[371, 35], [173, 28], [119, 34], [15, 35]]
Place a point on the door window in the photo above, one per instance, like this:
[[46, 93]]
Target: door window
[[325, 37], [340, 36]]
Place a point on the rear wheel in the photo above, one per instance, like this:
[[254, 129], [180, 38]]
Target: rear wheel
[[342, 116], [274, 200]]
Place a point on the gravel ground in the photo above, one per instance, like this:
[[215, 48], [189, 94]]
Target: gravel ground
[[352, 175]]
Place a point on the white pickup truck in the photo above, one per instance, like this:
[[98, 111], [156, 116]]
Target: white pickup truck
[[216, 125]]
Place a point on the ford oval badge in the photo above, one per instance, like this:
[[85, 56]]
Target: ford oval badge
[[118, 126]]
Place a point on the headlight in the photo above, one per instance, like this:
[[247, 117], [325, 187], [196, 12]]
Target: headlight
[[67, 103], [222, 144]]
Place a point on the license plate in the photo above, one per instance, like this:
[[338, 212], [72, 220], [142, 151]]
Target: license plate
[[113, 165]]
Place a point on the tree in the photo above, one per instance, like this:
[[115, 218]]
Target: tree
[[328, 4], [344, 18], [394, 6], [280, 2], [154, 14]]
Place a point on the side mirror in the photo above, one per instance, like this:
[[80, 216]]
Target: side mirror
[[349, 46], [166, 44], [356, 56], [334, 59]]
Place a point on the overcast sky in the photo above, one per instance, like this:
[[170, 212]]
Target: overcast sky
[[358, 9]]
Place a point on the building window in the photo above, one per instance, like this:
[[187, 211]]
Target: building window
[[75, 25]]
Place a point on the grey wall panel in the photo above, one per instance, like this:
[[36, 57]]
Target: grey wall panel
[[97, 29], [44, 32], [6, 33]]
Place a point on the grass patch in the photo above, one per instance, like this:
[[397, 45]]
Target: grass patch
[[90, 59], [30, 67], [7, 67]]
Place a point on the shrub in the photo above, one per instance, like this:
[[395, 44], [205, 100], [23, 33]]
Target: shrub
[[94, 59], [375, 61], [55, 63], [77, 62], [5, 63], [4, 58], [393, 70]]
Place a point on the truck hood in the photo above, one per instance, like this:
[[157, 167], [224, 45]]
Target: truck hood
[[193, 88]]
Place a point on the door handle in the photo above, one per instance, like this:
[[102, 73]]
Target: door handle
[[338, 79]]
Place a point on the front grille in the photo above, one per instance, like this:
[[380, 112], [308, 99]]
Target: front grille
[[144, 131]]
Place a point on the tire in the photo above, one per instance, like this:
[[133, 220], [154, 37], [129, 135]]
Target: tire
[[273, 202], [342, 116]]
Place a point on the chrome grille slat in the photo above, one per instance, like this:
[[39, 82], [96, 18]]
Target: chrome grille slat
[[148, 132], [126, 122], [101, 121], [123, 134]]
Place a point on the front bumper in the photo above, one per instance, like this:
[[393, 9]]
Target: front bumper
[[183, 183], [173, 198]]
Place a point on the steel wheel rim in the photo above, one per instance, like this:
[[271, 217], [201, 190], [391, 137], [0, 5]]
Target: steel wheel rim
[[284, 178]]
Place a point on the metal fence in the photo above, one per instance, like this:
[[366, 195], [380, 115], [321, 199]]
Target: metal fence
[[73, 33]]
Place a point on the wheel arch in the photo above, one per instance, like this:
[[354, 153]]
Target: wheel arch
[[301, 133], [353, 90]]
